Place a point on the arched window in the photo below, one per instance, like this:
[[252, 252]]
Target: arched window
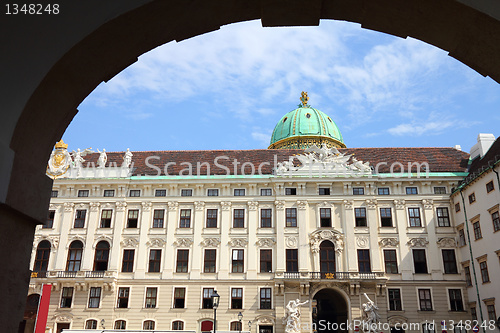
[[327, 257], [236, 326], [101, 256], [31, 309], [120, 325], [74, 256], [42, 257], [177, 325], [91, 324], [148, 325]]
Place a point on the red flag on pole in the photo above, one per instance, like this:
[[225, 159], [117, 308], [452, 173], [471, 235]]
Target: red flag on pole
[[43, 309]]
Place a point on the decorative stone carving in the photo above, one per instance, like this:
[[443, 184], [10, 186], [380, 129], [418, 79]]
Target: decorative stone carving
[[362, 242], [291, 242], [447, 242], [348, 204], [238, 242], [59, 161], [397, 320], [280, 205], [334, 236], [54, 207], [199, 205], [428, 203], [211, 242], [265, 321], [400, 204], [68, 206], [325, 204], [183, 242], [146, 206], [156, 242], [129, 242], [53, 240], [266, 242], [371, 203], [64, 318], [339, 285], [173, 205], [302, 204], [226, 205], [121, 206], [80, 206], [253, 205], [102, 238], [74, 238], [94, 206], [388, 242], [418, 242], [106, 205]]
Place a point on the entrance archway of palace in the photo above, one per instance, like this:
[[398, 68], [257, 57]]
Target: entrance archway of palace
[[331, 307], [49, 70]]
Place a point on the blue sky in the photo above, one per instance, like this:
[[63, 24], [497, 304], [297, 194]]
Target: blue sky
[[227, 90]]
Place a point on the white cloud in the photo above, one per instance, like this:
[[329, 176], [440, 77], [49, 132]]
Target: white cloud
[[262, 137], [436, 124]]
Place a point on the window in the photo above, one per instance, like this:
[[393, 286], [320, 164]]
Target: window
[[66, 297], [364, 261], [123, 293], [135, 193], [158, 218], [210, 260], [160, 193], [54, 194], [128, 261], [177, 325], [42, 257], [266, 261], [473, 313], [109, 193], [492, 315], [133, 218], [324, 191], [360, 216], [187, 192], [358, 191], [386, 217], [292, 260], [91, 324], [266, 218], [325, 217], [395, 300], [94, 297], [207, 298], [239, 192], [383, 191], [419, 261], [180, 297], [148, 325], [456, 303], [236, 326], [151, 294], [214, 192], [120, 324], [443, 217], [83, 193], [477, 230], [265, 298], [461, 238], [74, 256], [496, 221], [291, 217], [472, 198], [290, 191], [424, 298], [101, 256], [414, 216], [449, 262], [490, 187], [237, 263], [239, 218], [211, 218], [411, 190], [457, 207], [236, 298], [485, 277], [106, 215], [80, 218], [428, 328], [266, 192], [468, 279], [439, 190], [185, 218], [182, 261], [391, 263], [49, 223], [154, 261]]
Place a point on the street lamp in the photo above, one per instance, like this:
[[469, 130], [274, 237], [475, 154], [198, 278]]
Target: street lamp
[[240, 317], [250, 326], [215, 304]]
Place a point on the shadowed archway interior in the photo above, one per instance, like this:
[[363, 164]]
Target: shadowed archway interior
[[329, 311]]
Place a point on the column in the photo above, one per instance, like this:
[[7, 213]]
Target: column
[[405, 255], [373, 224], [303, 246], [280, 236], [350, 248], [253, 251], [196, 261], [172, 223], [65, 225], [225, 228], [142, 252], [120, 212], [434, 255], [92, 224]]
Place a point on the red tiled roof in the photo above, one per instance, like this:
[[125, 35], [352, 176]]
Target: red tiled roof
[[439, 159]]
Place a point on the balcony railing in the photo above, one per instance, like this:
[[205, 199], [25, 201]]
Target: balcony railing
[[332, 275], [71, 274]]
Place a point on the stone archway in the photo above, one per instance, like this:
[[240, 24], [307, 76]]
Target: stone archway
[[330, 311]]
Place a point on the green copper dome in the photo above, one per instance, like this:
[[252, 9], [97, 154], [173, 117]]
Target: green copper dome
[[304, 127]]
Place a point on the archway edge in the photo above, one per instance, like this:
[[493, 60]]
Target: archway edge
[[467, 33]]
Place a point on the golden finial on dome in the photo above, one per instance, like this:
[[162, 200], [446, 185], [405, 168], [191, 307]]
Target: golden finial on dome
[[304, 99], [61, 144]]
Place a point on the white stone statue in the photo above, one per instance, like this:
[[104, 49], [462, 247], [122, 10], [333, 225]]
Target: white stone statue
[[372, 315], [78, 159], [127, 159], [293, 316], [103, 158]]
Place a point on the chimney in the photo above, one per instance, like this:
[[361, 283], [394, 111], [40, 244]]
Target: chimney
[[458, 147], [484, 142]]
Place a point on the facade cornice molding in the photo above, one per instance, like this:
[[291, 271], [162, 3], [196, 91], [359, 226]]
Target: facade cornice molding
[[199, 205], [173, 205], [388, 242], [238, 242], [280, 204], [348, 204], [266, 242], [146, 206], [129, 242], [252, 205], [447, 242], [183, 242], [94, 206], [211, 242], [418, 242], [226, 205], [400, 203]]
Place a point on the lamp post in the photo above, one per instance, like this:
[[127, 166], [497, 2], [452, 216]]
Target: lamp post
[[215, 305], [240, 317], [250, 326]]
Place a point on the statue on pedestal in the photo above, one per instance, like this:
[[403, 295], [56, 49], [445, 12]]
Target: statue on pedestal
[[293, 317], [372, 315]]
